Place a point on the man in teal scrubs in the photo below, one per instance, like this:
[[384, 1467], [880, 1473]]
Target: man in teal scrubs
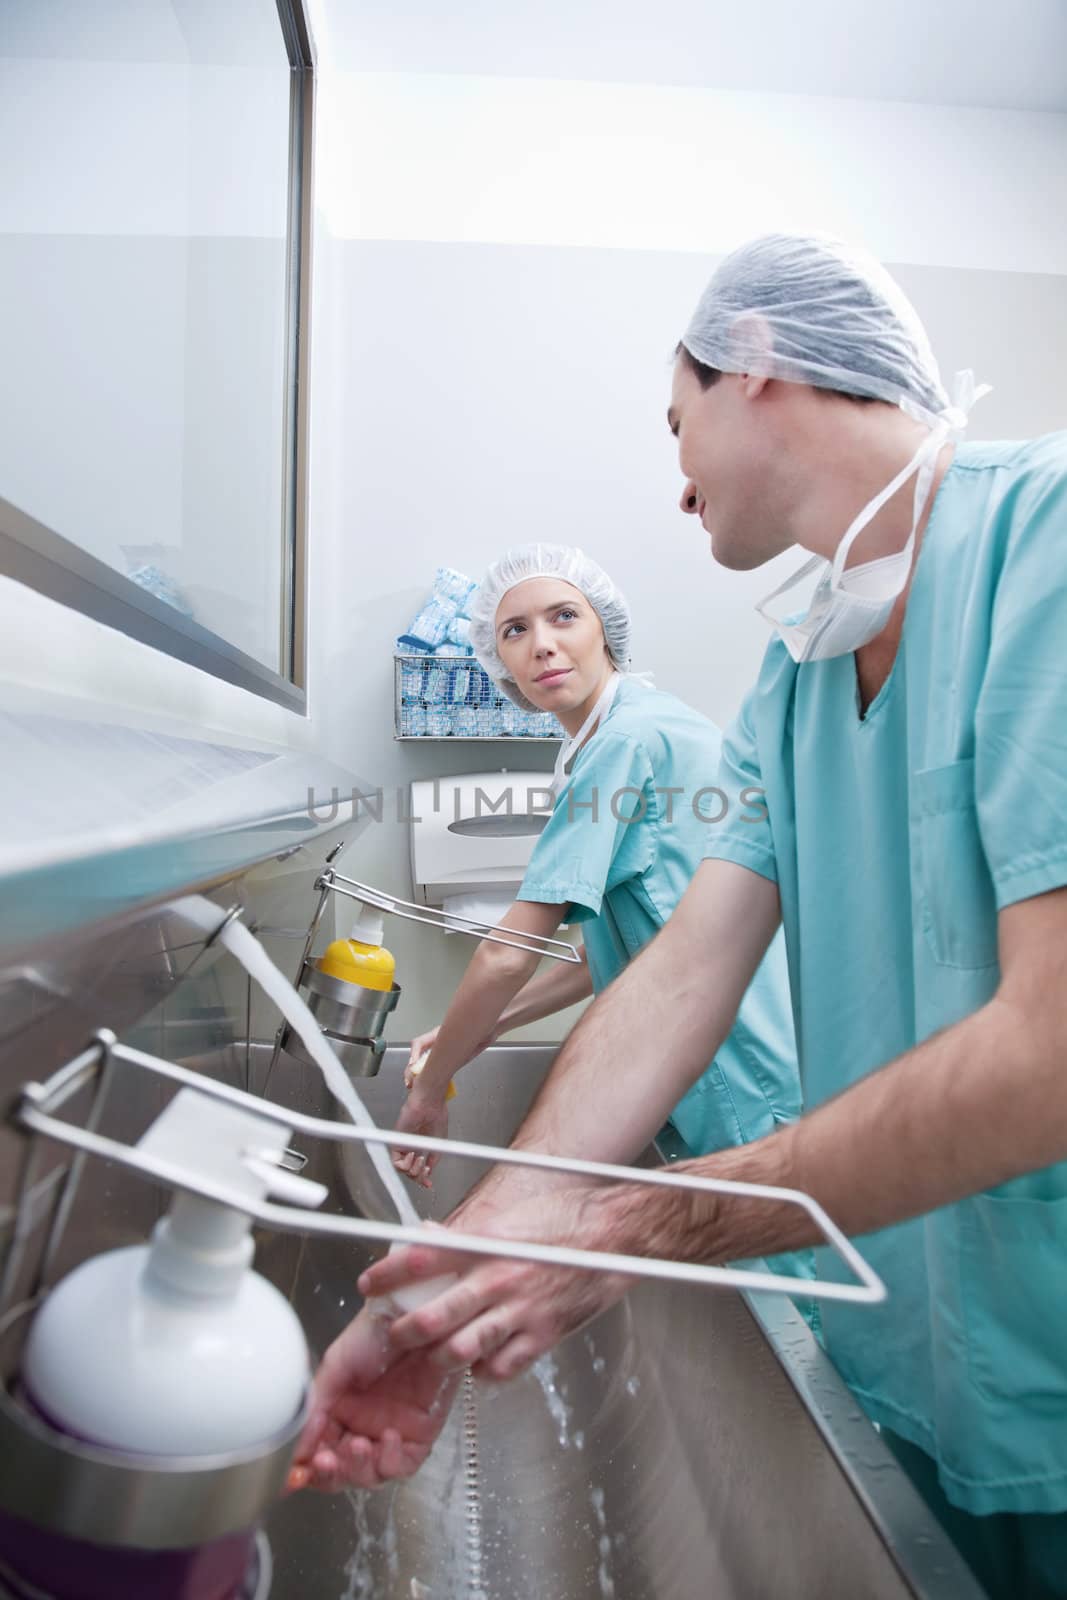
[[909, 731]]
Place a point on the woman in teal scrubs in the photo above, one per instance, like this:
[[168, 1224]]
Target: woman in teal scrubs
[[635, 803]]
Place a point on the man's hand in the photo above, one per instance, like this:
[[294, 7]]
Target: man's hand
[[502, 1315], [370, 1421]]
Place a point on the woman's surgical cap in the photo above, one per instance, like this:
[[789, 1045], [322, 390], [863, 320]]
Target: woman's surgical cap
[[813, 310], [545, 561]]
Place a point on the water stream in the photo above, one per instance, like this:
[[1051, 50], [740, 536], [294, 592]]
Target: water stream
[[250, 953], [258, 964]]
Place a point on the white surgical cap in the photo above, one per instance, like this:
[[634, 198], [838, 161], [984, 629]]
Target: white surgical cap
[[545, 561], [813, 310]]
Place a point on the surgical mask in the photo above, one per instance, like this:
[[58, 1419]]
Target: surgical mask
[[850, 607], [570, 746]]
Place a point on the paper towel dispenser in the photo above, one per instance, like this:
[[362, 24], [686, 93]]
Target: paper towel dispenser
[[473, 834]]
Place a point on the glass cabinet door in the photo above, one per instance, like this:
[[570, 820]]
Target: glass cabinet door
[[153, 218]]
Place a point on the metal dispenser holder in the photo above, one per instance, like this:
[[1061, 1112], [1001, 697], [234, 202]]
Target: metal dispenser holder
[[354, 1020], [103, 1504]]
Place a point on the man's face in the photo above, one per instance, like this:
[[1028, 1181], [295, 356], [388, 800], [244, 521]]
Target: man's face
[[724, 451]]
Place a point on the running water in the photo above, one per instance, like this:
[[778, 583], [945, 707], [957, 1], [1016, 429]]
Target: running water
[[373, 1550], [604, 1573], [546, 1372], [473, 1490], [258, 964], [250, 953]]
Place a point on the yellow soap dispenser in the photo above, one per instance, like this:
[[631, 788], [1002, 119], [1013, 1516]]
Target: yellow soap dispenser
[[361, 958]]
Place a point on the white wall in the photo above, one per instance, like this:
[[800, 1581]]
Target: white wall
[[642, 166], [513, 265]]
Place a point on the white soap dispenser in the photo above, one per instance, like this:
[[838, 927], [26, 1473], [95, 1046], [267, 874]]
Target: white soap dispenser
[[178, 1348]]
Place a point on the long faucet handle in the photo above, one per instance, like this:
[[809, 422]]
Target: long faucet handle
[[35, 1112], [447, 921]]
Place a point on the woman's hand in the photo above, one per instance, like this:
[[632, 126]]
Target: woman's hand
[[421, 1113]]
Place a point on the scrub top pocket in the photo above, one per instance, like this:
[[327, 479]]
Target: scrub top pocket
[[957, 904]]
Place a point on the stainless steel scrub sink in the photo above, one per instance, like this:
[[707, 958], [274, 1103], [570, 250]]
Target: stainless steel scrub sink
[[690, 1443]]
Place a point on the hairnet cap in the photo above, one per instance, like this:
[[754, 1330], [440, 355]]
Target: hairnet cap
[[573, 566], [813, 310]]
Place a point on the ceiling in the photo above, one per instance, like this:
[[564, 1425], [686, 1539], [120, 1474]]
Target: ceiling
[[989, 53], [950, 52]]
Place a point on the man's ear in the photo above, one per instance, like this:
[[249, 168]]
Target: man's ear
[[751, 351]]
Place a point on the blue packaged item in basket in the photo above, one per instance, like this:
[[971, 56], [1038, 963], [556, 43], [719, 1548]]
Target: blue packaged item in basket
[[461, 680], [411, 682], [459, 632], [432, 622], [465, 722], [406, 645], [437, 681], [438, 722], [480, 692], [490, 722], [455, 586], [412, 721]]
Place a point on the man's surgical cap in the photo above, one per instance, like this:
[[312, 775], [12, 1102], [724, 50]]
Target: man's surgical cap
[[814, 310]]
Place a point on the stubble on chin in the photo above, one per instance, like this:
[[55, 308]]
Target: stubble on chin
[[734, 557]]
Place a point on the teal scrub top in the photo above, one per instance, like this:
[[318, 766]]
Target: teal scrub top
[[626, 835], [894, 841]]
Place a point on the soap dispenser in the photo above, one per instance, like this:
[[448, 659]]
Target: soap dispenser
[[173, 1358], [176, 1347], [361, 958], [351, 992]]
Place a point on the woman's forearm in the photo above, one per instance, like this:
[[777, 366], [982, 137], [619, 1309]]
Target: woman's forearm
[[565, 984], [496, 974], [493, 979]]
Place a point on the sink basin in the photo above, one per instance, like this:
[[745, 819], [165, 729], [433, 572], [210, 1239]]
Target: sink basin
[[688, 1443]]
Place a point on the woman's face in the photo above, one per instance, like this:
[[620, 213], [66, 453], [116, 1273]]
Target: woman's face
[[552, 642]]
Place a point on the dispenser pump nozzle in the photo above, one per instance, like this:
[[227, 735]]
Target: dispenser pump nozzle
[[369, 926]]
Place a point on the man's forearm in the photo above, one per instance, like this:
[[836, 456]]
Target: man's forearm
[[651, 1034], [648, 1037], [616, 1078], [972, 1107]]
